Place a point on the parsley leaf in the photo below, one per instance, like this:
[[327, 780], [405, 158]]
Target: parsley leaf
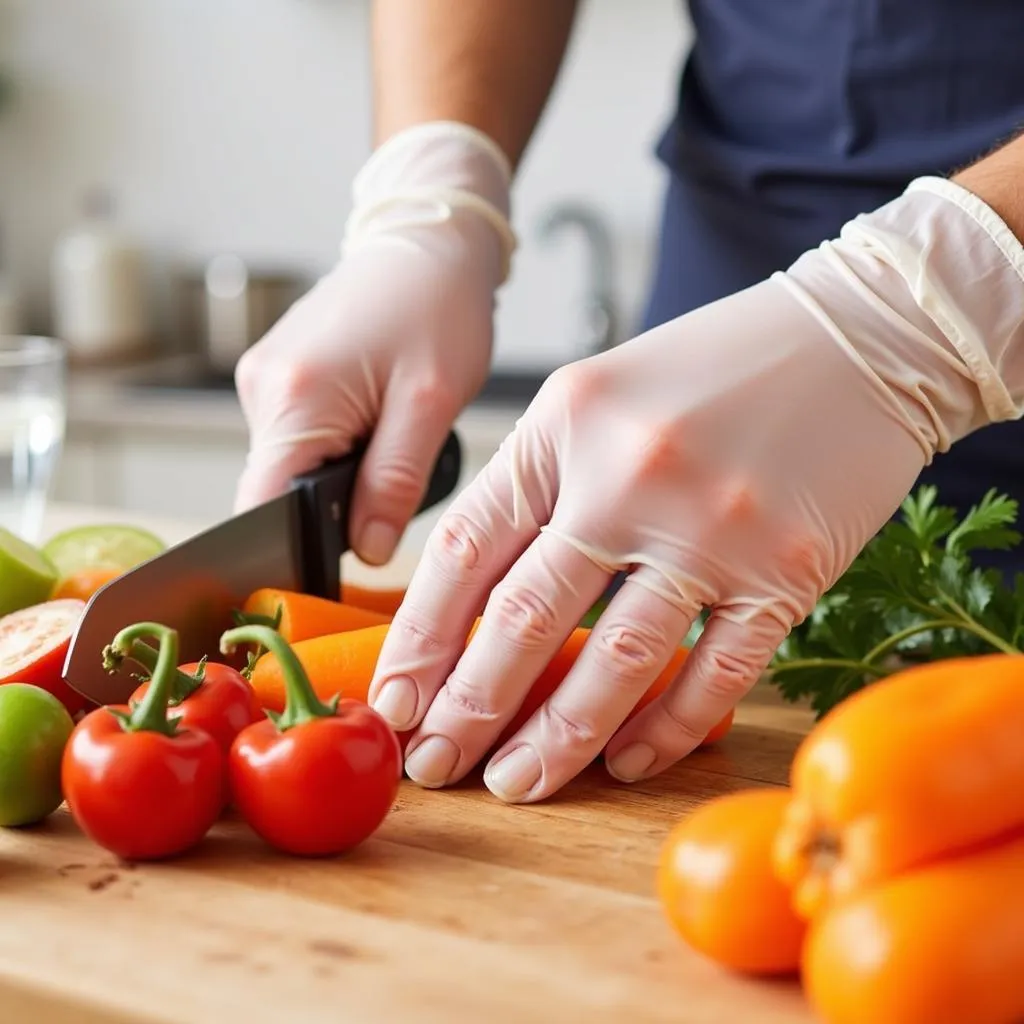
[[913, 594]]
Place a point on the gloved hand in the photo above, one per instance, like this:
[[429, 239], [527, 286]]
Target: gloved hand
[[736, 459], [395, 340]]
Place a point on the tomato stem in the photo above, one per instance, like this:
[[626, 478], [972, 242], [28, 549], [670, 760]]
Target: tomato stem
[[150, 715], [257, 619], [142, 654], [301, 702], [273, 622]]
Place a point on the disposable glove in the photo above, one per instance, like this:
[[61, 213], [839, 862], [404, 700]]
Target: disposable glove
[[394, 341], [736, 459]]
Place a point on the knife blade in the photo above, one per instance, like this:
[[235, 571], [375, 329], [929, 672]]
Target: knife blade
[[292, 542]]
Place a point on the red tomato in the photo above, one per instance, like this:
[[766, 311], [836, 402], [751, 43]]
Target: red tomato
[[321, 786], [137, 783], [142, 795], [223, 704], [33, 644]]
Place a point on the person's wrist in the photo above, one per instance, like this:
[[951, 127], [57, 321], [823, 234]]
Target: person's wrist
[[437, 173], [996, 180]]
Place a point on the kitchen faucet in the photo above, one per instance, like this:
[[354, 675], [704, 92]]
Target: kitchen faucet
[[600, 310]]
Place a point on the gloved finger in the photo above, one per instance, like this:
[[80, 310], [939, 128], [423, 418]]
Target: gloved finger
[[393, 475], [629, 646], [530, 614], [730, 656], [270, 469], [484, 530]]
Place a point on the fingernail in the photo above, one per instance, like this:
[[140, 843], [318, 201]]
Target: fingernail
[[396, 702], [511, 778], [432, 762], [631, 762], [377, 542]]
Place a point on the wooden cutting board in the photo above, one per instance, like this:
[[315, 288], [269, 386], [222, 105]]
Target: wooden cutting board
[[459, 910]]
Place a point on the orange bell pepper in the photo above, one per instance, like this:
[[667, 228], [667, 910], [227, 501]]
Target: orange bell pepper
[[715, 884], [914, 769], [940, 945]]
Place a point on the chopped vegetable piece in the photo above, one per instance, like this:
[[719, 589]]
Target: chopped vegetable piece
[[27, 576], [33, 645], [103, 546]]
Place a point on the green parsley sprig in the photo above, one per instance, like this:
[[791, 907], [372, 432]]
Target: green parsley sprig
[[913, 594]]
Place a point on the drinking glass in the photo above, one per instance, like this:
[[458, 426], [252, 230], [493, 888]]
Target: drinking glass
[[33, 400]]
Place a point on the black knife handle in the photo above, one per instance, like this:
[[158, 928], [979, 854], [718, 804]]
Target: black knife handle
[[325, 499]]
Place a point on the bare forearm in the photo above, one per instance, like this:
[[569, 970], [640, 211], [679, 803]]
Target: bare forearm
[[998, 179], [490, 64]]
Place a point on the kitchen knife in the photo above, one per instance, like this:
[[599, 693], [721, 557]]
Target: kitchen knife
[[293, 542]]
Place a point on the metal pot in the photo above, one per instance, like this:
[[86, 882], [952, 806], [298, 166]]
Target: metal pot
[[227, 307]]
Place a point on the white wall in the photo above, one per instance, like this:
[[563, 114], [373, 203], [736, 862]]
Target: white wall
[[238, 124]]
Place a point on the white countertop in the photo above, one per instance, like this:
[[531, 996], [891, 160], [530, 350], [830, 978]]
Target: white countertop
[[62, 516]]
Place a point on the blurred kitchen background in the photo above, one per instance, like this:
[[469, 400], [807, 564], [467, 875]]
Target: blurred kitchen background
[[193, 158]]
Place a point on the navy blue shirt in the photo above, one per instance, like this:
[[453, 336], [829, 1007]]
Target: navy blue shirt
[[795, 115]]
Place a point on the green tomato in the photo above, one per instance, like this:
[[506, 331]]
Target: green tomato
[[34, 729]]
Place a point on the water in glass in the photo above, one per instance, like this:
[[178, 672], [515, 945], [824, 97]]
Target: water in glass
[[32, 419]]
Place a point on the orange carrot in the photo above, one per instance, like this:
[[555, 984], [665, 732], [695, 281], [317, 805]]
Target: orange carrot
[[721, 730], [335, 663], [558, 668], [304, 616], [344, 663], [384, 600]]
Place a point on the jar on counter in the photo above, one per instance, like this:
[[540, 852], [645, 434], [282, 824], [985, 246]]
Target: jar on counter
[[99, 290]]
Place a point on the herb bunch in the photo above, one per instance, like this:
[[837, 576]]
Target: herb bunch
[[913, 594]]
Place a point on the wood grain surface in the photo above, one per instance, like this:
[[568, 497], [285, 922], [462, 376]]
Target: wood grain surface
[[459, 910]]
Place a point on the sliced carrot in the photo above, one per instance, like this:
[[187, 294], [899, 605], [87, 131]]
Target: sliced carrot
[[344, 663], [385, 600], [304, 616]]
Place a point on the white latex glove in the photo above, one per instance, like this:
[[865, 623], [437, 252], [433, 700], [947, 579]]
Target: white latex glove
[[736, 459], [395, 340]]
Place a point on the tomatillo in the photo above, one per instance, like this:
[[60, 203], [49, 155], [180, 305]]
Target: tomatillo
[[34, 729]]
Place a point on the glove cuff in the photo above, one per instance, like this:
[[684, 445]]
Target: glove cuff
[[928, 293], [425, 175]]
